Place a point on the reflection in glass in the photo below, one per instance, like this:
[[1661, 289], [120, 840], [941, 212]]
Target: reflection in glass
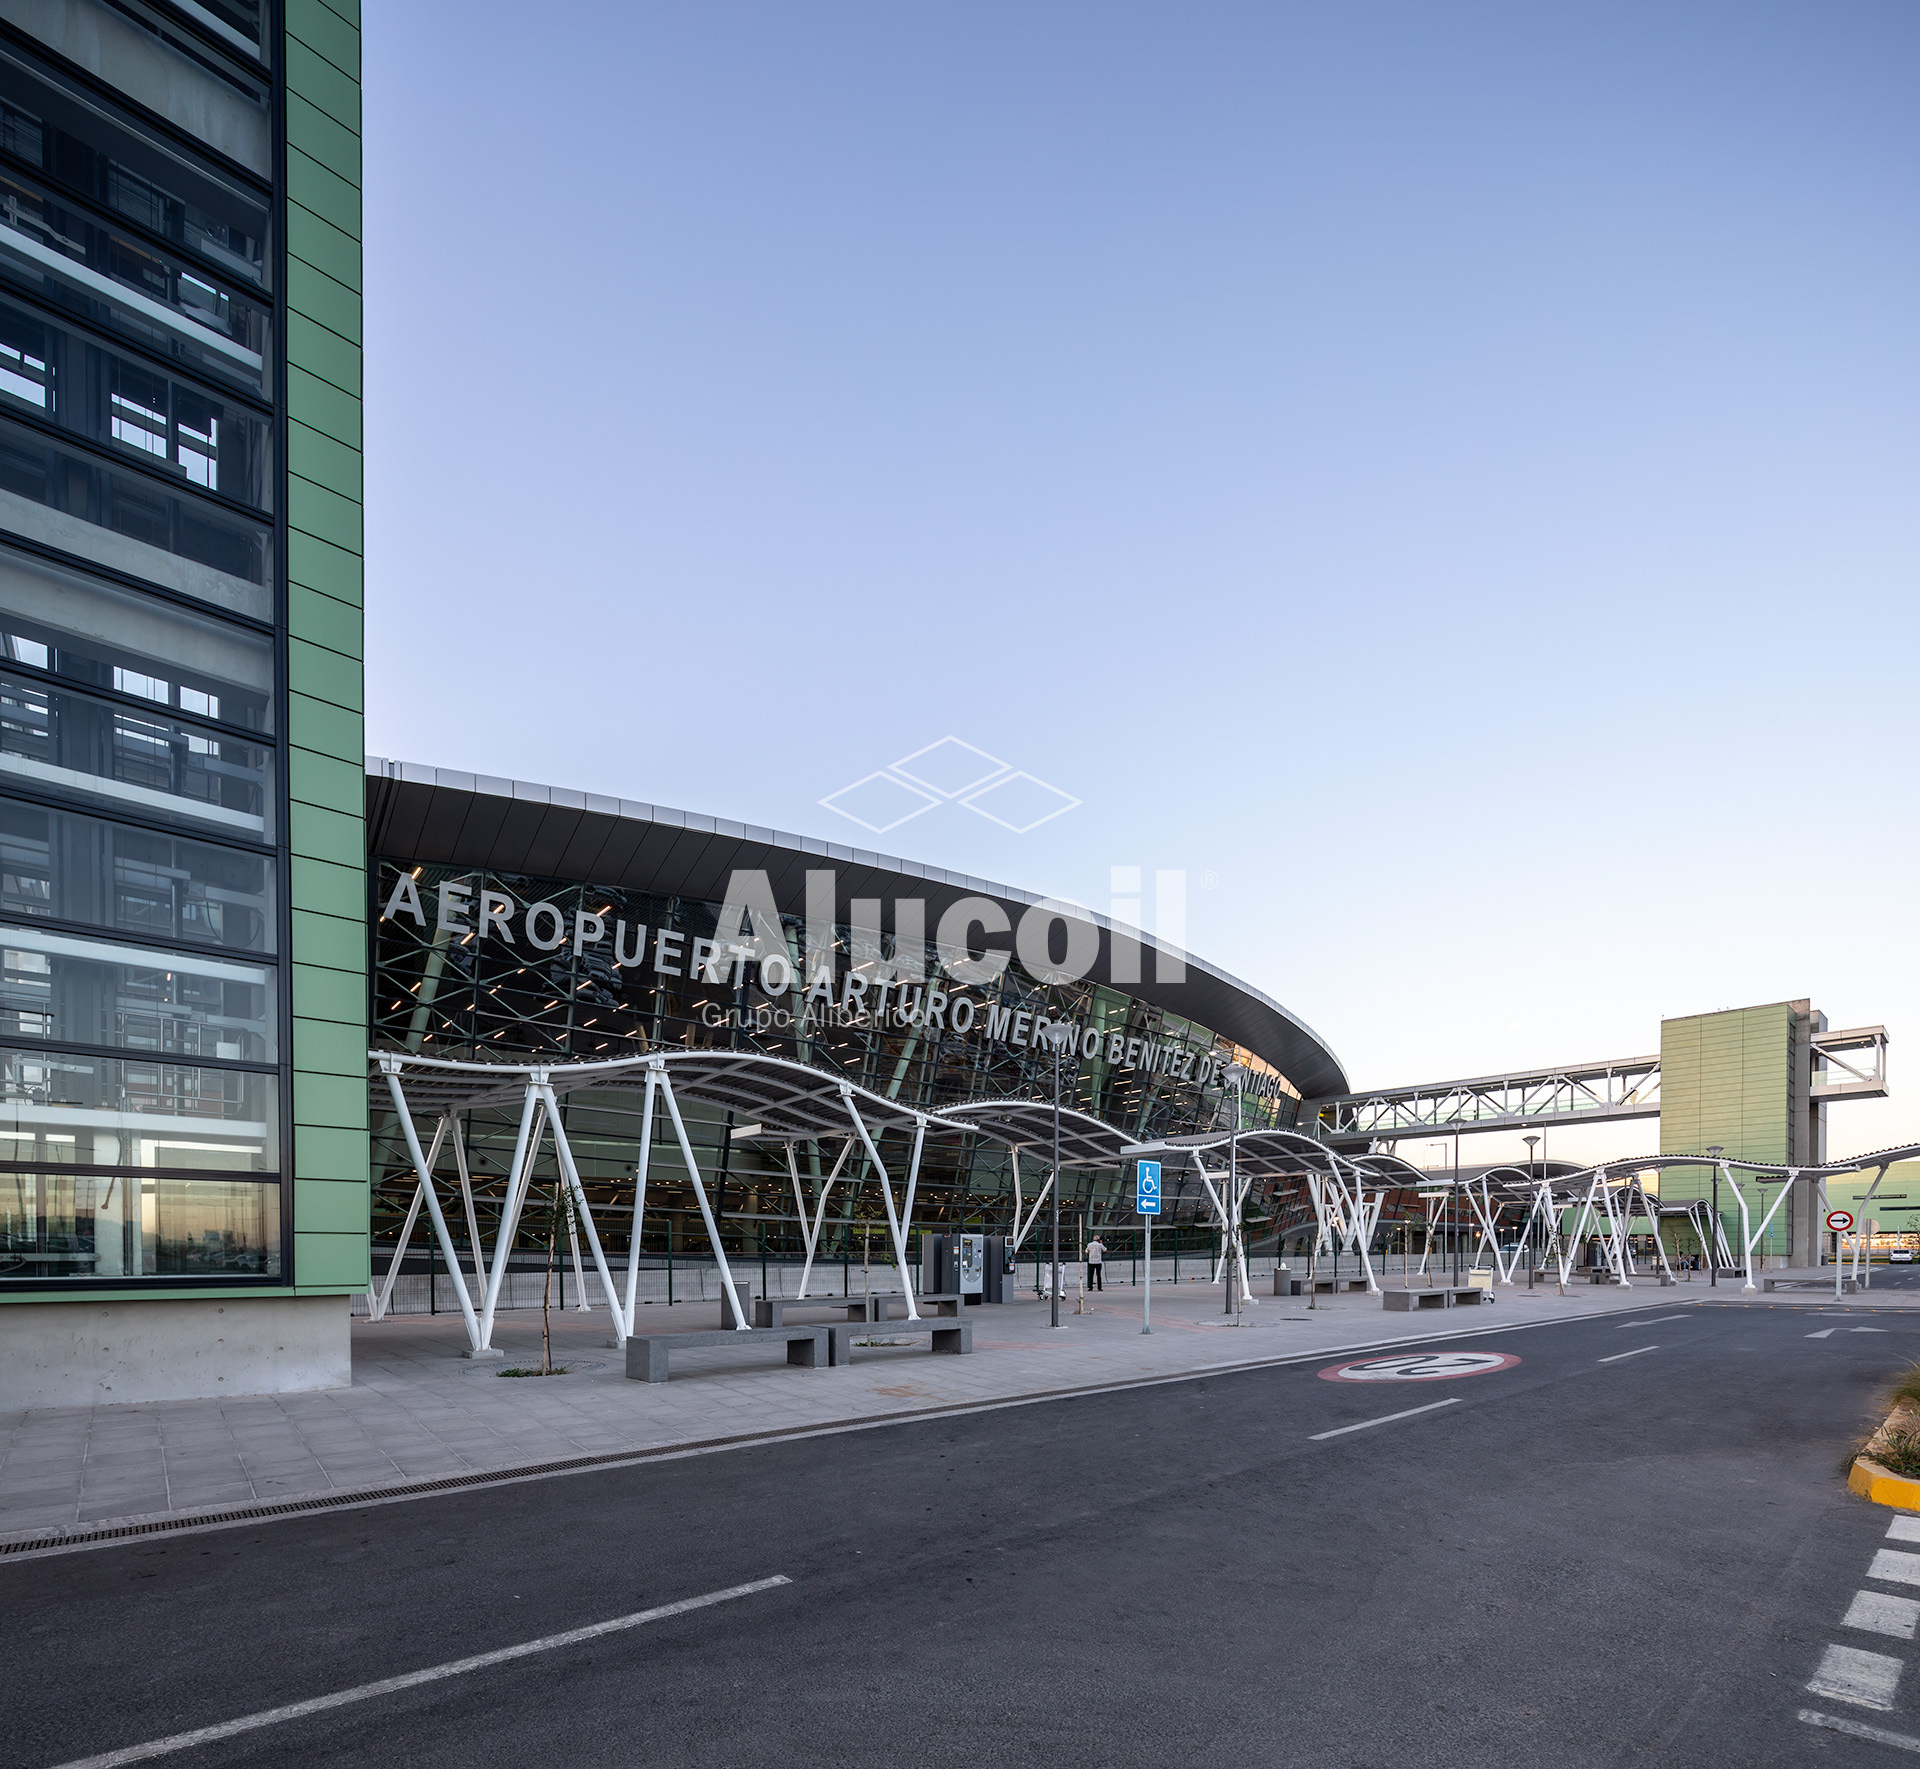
[[131, 1112], [74, 990], [53, 737], [102, 637], [127, 1225], [66, 258], [203, 438], [132, 523], [55, 128], [71, 867]]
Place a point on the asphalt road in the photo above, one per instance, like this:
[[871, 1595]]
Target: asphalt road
[[1635, 1561]]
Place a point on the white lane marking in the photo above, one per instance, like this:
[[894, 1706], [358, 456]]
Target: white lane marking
[[1866, 1329], [1904, 1529], [1657, 1319], [1824, 1333], [180, 1741], [1854, 1729], [1877, 1613], [1867, 1679], [1618, 1355], [1384, 1419], [1895, 1567]]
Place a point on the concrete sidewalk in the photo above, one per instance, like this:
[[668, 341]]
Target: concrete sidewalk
[[419, 1412]]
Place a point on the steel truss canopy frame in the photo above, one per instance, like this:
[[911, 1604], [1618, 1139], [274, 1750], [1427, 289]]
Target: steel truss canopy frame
[[1854, 1062], [1605, 1196], [787, 1102]]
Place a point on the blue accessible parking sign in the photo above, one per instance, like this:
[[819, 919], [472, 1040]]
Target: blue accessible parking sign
[[1147, 1188]]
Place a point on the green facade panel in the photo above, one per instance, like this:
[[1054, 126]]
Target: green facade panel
[[322, 191], [321, 298], [314, 510], [317, 779], [326, 641], [335, 625], [326, 674], [319, 565], [330, 1206], [320, 725], [331, 941], [323, 139], [323, 406], [326, 461], [321, 28], [331, 1265], [318, 832], [321, 82], [323, 353]]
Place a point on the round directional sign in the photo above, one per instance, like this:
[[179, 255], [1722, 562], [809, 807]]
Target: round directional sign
[[1420, 1366], [1839, 1221]]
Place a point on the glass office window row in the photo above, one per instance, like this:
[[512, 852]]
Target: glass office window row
[[61, 375], [56, 739], [141, 993]]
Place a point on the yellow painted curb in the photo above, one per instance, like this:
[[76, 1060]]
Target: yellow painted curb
[[1874, 1483], [1877, 1484]]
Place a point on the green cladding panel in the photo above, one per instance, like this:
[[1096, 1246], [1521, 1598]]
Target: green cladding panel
[[326, 822], [1727, 1079]]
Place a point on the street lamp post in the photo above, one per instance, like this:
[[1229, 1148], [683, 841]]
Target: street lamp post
[[1713, 1258], [1058, 1034], [1236, 1076], [1531, 1142]]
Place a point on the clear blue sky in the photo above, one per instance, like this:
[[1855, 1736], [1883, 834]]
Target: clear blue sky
[[1444, 471]]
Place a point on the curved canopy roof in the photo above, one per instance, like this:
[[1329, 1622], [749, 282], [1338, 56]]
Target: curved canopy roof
[[443, 818]]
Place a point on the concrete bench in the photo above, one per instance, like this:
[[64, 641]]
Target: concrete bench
[[770, 1311], [647, 1352], [1447, 1296], [956, 1337], [1847, 1286], [1327, 1286], [1289, 1283], [942, 1302]]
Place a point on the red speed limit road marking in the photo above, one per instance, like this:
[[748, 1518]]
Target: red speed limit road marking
[[1420, 1366]]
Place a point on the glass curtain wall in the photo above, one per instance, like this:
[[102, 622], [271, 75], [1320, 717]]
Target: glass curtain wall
[[142, 866], [444, 989]]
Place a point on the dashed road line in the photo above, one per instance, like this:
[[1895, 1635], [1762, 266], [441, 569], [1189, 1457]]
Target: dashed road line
[[1904, 1529], [180, 1741], [1824, 1333], [1618, 1355], [1867, 1679], [1895, 1567], [1854, 1729], [1876, 1613], [1657, 1319], [1384, 1419]]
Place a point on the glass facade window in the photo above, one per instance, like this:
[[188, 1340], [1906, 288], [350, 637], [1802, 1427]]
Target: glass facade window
[[53, 127], [67, 866], [182, 1004], [146, 985], [114, 1112], [58, 374], [131, 523], [100, 636], [130, 286], [53, 738], [56, 1224]]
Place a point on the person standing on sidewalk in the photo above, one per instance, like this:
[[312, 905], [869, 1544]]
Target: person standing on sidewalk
[[1096, 1263]]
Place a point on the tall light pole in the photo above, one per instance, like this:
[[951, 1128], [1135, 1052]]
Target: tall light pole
[[1058, 1034], [1236, 1078], [1713, 1258], [1531, 1142]]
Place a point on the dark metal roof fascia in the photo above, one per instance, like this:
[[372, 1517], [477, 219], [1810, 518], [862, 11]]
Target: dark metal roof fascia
[[447, 818]]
